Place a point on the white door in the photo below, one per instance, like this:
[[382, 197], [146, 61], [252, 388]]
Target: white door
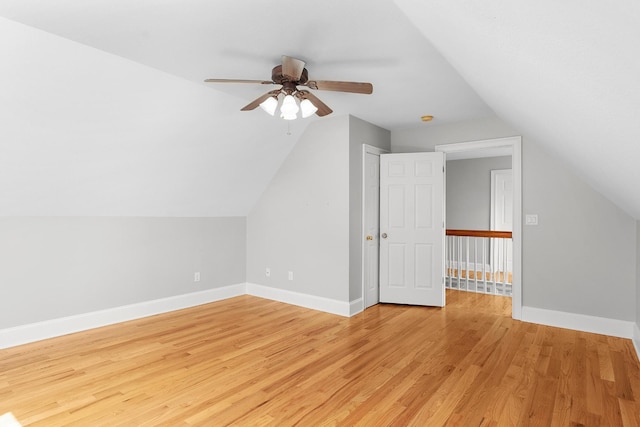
[[502, 217], [412, 228], [371, 228]]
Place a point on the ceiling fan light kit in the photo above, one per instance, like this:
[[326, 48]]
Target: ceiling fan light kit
[[269, 105], [307, 108], [290, 75], [289, 109]]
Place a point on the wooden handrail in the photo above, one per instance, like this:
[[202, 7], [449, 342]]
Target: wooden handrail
[[480, 233]]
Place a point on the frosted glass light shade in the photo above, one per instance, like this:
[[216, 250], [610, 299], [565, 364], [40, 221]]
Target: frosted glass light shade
[[269, 105], [289, 107], [307, 108]]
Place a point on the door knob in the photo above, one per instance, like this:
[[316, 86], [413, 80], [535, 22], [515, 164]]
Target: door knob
[[369, 237], [383, 235]]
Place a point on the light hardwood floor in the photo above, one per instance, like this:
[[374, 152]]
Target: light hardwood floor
[[249, 361]]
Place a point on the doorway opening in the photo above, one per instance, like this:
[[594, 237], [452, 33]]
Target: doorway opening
[[478, 247], [498, 148]]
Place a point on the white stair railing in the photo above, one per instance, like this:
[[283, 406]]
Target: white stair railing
[[465, 248]]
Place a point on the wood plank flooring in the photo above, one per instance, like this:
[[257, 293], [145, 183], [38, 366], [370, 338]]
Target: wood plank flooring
[[253, 362]]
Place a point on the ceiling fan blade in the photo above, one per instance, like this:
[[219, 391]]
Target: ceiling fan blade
[[262, 82], [292, 68], [353, 87], [253, 104], [323, 109]]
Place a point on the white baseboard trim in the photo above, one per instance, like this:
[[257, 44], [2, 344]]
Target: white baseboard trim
[[81, 322], [636, 339], [327, 305], [356, 306], [24, 334], [579, 322]]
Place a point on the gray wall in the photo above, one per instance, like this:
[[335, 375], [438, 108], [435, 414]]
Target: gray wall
[[591, 266], [309, 220], [54, 267], [638, 274], [469, 191], [360, 132], [301, 222], [426, 137], [581, 258]]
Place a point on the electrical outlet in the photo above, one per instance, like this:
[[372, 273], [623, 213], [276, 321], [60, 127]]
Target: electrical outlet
[[267, 272], [531, 219], [291, 275], [196, 276]]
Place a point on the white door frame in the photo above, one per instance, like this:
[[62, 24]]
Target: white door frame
[[515, 143], [377, 151]]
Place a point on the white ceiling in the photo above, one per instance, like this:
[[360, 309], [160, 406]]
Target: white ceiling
[[564, 73], [357, 40], [155, 140]]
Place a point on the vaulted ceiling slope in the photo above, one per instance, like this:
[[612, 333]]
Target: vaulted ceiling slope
[[86, 133], [109, 114], [105, 111], [565, 73]]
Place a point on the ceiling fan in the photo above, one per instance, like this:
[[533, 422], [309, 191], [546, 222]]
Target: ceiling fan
[[291, 74]]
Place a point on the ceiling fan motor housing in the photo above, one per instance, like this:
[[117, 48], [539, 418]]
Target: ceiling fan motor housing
[[277, 77]]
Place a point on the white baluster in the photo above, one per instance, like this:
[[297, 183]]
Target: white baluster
[[495, 265], [449, 261], [484, 264], [459, 260], [475, 264], [504, 261], [466, 264]]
